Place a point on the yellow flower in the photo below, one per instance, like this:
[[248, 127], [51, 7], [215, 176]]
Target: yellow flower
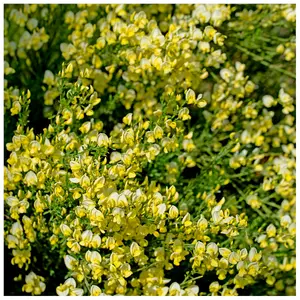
[[173, 212], [70, 262], [271, 230], [253, 201], [224, 252], [184, 114], [158, 132], [86, 238], [135, 249], [126, 270], [285, 221], [212, 249], [85, 127], [30, 178], [127, 119], [65, 229], [214, 287], [103, 140], [190, 96], [48, 78], [16, 108], [234, 258], [95, 290], [253, 255], [174, 289], [93, 257]]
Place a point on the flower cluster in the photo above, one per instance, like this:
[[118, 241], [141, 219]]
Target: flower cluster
[[167, 164]]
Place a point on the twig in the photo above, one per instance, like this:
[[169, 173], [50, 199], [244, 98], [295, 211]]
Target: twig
[[263, 62]]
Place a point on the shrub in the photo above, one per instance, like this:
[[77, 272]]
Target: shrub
[[151, 149]]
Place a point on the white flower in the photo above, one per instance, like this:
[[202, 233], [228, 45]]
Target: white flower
[[70, 262], [268, 100]]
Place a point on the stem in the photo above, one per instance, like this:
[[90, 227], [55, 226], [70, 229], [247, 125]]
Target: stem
[[147, 266], [263, 62], [241, 174], [272, 204], [191, 279]]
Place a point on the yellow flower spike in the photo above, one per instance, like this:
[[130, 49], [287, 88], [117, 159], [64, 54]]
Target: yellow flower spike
[[170, 54]]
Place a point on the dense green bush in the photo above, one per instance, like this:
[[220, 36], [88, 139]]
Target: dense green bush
[[150, 149]]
